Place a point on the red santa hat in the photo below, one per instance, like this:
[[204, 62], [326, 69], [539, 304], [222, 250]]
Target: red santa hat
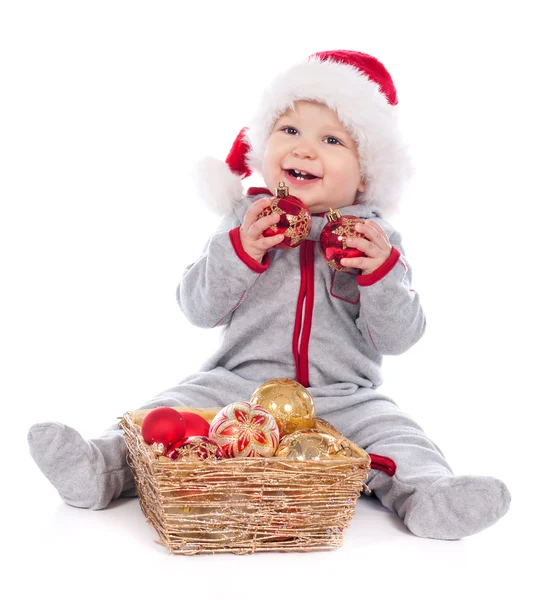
[[361, 92]]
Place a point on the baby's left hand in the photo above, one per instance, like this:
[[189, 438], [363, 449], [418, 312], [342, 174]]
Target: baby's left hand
[[375, 245]]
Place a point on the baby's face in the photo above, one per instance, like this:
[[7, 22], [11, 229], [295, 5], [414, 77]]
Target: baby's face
[[312, 139]]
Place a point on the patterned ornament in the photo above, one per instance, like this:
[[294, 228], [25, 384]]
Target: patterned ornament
[[195, 448], [295, 218], [333, 240], [195, 424], [162, 427], [289, 402], [311, 444], [243, 429]]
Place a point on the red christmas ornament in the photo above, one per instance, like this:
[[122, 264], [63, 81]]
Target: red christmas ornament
[[295, 218], [195, 448], [333, 240], [162, 427], [195, 425]]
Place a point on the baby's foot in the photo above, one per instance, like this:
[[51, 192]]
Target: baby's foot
[[84, 476], [454, 507]]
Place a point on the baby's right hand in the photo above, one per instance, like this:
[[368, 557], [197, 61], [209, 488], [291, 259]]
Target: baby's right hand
[[251, 230]]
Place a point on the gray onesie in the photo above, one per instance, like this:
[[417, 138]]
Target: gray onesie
[[294, 316]]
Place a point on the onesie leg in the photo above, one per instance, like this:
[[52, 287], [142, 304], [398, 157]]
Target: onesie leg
[[86, 473], [432, 501], [457, 506], [92, 473]]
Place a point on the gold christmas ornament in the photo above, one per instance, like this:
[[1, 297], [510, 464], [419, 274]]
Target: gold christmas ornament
[[328, 427], [289, 402], [311, 444]]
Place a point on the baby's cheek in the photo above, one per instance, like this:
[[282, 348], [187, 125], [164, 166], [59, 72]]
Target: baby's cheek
[[268, 166], [346, 185], [271, 175]]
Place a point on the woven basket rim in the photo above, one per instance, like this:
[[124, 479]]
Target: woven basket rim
[[166, 463]]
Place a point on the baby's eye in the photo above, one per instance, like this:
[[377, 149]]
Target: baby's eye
[[290, 130], [333, 141]]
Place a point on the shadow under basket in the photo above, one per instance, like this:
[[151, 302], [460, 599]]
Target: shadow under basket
[[245, 505]]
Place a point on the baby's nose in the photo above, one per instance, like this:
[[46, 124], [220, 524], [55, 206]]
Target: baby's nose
[[304, 150]]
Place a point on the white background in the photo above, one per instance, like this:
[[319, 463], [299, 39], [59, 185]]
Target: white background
[[105, 106]]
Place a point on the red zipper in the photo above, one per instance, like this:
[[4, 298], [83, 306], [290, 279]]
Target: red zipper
[[302, 328], [304, 312], [304, 318]]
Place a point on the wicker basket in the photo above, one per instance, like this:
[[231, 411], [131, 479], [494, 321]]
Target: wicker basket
[[245, 505]]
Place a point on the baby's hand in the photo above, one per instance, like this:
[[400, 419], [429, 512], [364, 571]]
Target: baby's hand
[[375, 245], [251, 230]]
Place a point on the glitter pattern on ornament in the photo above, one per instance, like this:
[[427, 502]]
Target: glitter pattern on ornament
[[245, 430]]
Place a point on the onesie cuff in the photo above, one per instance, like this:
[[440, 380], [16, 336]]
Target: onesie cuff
[[382, 270], [244, 256]]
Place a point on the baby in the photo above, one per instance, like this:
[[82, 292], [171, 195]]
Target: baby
[[327, 127]]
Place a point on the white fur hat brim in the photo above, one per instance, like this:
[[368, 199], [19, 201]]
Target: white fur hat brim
[[220, 189], [360, 105]]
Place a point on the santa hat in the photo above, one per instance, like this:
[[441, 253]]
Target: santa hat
[[361, 92]]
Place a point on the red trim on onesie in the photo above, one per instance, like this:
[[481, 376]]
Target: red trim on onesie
[[255, 191], [383, 463], [308, 315], [232, 309], [299, 310], [244, 256], [369, 332], [382, 270]]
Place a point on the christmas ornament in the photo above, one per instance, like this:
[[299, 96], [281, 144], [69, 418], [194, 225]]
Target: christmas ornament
[[162, 427], [333, 240], [195, 448], [195, 424], [331, 429], [311, 444], [295, 218], [289, 402], [243, 429]]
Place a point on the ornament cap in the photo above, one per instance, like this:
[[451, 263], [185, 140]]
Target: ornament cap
[[333, 215], [282, 190]]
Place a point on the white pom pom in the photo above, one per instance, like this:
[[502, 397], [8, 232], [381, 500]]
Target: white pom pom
[[217, 185]]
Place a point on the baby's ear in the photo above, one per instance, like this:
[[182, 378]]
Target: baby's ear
[[362, 186]]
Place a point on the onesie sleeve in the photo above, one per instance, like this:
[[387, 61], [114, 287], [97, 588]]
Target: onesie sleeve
[[391, 318], [213, 286]]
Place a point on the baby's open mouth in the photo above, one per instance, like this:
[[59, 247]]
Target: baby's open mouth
[[302, 175]]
